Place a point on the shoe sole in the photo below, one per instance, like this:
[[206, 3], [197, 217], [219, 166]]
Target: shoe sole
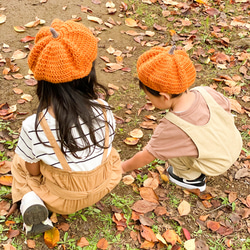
[[38, 229], [187, 186], [35, 214]]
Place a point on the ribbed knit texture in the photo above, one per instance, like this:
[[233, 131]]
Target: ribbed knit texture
[[65, 58], [160, 71]]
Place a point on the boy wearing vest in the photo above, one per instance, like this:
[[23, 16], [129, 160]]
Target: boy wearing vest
[[197, 136]]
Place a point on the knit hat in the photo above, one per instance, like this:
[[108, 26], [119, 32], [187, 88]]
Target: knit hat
[[63, 53], [166, 70]]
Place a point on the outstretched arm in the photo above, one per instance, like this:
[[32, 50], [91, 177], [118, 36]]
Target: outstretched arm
[[33, 168], [139, 160]]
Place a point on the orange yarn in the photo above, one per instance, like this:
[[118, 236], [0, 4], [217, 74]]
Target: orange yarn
[[163, 72], [64, 58]]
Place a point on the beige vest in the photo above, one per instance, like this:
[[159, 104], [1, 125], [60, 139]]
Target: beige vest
[[218, 142]]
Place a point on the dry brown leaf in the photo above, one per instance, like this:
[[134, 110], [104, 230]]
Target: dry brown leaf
[[13, 233], [19, 54], [213, 225], [131, 141], [8, 246], [31, 243], [136, 133], [2, 19], [147, 245], [235, 106], [63, 226], [148, 194], [159, 211], [248, 200], [151, 183], [102, 244], [27, 97], [184, 208], [232, 196], [5, 167], [131, 22], [128, 179], [147, 233], [112, 86], [95, 19], [171, 237], [53, 218], [19, 28], [143, 206], [82, 242], [243, 172]]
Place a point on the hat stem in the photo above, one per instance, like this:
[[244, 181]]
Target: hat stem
[[171, 51], [54, 33]]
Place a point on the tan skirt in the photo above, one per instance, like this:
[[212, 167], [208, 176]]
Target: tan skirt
[[66, 192]]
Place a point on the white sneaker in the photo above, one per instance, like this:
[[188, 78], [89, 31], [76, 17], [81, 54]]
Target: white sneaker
[[35, 214]]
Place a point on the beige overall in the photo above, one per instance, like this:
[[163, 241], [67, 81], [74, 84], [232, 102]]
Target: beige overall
[[62, 190], [218, 142]]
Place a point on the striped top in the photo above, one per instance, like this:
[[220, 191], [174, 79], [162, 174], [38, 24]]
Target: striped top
[[30, 149]]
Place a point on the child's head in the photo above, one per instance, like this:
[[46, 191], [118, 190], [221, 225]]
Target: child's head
[[63, 52], [165, 70]]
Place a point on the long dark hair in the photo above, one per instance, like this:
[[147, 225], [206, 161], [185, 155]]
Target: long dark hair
[[71, 101]]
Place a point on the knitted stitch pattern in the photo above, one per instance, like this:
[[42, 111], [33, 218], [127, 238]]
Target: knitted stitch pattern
[[65, 58], [160, 71]]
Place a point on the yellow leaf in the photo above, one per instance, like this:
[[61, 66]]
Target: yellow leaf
[[51, 237], [131, 22], [164, 178]]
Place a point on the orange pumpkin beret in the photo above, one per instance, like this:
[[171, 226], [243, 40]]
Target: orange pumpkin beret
[[166, 71], [63, 53]]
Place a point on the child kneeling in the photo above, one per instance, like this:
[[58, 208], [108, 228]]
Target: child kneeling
[[197, 136]]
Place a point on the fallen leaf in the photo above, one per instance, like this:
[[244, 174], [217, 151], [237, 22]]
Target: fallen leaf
[[235, 106], [151, 183], [8, 246], [51, 237], [184, 208], [19, 54], [31, 243], [186, 233], [6, 180], [110, 50], [131, 141], [248, 200], [102, 244], [224, 231], [131, 22], [19, 28], [147, 245], [95, 19], [31, 82], [171, 237], [148, 194], [232, 196], [12, 233], [159, 211], [27, 39], [112, 86], [136, 133], [27, 97], [213, 225], [63, 226], [53, 218], [128, 179], [5, 167], [200, 244], [148, 234], [2, 19], [243, 172], [143, 206], [189, 244], [82, 242]]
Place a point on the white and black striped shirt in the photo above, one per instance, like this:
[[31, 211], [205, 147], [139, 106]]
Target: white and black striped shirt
[[30, 149]]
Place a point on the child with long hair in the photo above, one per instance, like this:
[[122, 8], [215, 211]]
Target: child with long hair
[[64, 159], [197, 136]]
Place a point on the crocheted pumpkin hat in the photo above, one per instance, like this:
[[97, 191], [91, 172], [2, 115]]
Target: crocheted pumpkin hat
[[166, 70], [63, 53]]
